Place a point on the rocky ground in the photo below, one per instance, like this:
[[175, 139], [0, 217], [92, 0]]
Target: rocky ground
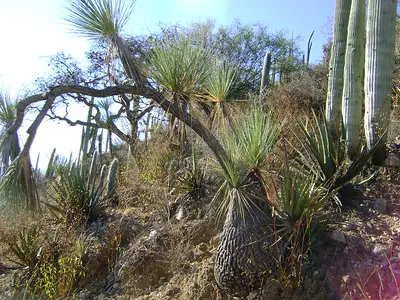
[[167, 258]]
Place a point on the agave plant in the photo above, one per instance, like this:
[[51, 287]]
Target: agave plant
[[244, 252], [193, 177], [26, 248], [79, 195], [301, 207], [326, 158]]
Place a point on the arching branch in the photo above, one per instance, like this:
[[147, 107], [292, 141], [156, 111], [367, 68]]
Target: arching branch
[[142, 90]]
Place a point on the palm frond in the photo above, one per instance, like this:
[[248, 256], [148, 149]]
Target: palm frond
[[253, 139], [9, 144], [8, 112], [19, 183], [104, 19], [181, 68], [98, 18], [257, 135], [220, 81]]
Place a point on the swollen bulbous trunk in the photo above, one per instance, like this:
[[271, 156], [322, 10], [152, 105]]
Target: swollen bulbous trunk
[[353, 72], [244, 253], [380, 41], [336, 65]]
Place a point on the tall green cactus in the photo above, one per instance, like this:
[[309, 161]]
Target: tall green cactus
[[265, 76], [106, 183], [112, 177], [309, 46], [50, 166], [336, 65], [379, 52], [88, 137], [352, 79]]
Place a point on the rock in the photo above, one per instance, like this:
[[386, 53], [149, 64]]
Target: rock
[[154, 294], [380, 205], [338, 236], [215, 240], [392, 160], [100, 297], [152, 234], [350, 226], [378, 250], [346, 278], [346, 250], [180, 214], [253, 295], [201, 251]]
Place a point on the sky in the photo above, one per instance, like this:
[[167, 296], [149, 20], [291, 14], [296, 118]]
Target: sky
[[32, 30]]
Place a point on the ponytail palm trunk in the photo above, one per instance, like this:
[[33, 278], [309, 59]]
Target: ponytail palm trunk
[[353, 71], [336, 65], [245, 252], [380, 41]]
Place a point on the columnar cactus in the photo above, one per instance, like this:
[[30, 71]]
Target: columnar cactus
[[112, 177], [88, 137], [352, 79], [336, 65], [50, 166], [265, 76], [309, 46], [380, 41]]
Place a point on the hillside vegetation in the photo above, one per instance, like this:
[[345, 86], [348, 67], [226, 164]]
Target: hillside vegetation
[[206, 172]]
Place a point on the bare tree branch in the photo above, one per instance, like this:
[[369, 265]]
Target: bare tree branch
[[35, 124], [142, 90], [73, 123]]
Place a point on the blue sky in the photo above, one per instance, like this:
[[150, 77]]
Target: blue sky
[[32, 30]]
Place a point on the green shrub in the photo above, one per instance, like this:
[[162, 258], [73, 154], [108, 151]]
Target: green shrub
[[74, 201], [325, 157]]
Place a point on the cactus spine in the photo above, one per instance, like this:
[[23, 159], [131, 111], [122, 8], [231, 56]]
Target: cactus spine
[[265, 77], [380, 41], [336, 65], [352, 77]]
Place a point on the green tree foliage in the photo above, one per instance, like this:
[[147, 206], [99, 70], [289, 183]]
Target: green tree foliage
[[243, 46]]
